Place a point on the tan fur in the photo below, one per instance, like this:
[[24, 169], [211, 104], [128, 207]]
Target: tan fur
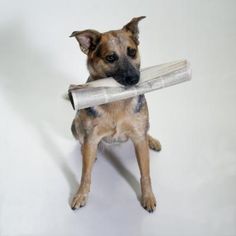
[[117, 121]]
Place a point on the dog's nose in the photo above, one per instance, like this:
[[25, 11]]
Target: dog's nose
[[132, 80]]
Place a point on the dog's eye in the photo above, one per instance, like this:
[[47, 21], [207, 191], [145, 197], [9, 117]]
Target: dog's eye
[[131, 52], [111, 58]]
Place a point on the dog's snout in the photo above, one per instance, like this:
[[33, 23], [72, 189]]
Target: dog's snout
[[132, 80], [127, 74], [128, 80]]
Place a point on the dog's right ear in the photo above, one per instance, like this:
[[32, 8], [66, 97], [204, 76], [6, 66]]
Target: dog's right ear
[[87, 39], [132, 27]]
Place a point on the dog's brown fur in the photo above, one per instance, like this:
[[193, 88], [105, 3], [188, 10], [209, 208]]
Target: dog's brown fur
[[117, 121]]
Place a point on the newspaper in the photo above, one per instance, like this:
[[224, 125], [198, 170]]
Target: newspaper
[[108, 90]]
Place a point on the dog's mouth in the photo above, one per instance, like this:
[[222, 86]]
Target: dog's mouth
[[127, 77], [128, 81]]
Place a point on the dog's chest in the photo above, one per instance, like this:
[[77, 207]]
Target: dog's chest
[[119, 118], [119, 135]]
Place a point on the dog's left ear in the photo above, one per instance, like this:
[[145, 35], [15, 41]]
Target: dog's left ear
[[132, 27]]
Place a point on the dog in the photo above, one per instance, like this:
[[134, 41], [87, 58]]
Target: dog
[[114, 54]]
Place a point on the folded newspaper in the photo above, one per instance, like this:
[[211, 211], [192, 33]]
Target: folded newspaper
[[108, 90]]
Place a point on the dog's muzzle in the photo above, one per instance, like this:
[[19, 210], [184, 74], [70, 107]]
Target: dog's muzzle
[[131, 80], [128, 80], [126, 75]]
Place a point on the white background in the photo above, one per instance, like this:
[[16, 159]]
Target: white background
[[194, 176]]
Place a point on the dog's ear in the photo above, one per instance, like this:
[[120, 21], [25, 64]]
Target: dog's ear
[[87, 39], [132, 27]]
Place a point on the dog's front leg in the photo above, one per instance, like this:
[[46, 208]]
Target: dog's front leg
[[89, 152], [148, 200]]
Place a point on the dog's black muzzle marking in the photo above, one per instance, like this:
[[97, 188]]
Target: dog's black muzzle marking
[[127, 78], [131, 80], [126, 74]]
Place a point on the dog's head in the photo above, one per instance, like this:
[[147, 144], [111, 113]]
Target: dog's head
[[113, 53]]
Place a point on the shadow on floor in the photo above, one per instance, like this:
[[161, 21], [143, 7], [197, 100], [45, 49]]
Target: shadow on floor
[[34, 90], [115, 161]]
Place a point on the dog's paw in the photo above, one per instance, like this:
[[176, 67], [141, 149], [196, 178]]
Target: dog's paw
[[79, 200], [148, 202], [154, 144]]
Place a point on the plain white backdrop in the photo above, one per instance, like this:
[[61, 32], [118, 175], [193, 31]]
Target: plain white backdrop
[[194, 176]]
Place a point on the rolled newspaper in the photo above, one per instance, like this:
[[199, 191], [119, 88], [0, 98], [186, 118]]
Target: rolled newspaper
[[108, 90]]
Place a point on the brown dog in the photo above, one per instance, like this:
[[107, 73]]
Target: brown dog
[[114, 54]]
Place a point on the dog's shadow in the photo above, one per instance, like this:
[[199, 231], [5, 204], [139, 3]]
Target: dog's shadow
[[34, 89], [115, 161]]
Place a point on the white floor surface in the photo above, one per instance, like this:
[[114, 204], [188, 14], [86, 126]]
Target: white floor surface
[[194, 176]]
